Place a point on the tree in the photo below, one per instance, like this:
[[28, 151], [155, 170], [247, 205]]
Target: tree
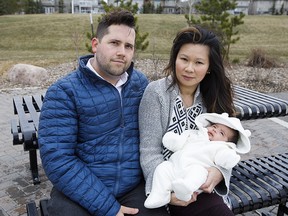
[[148, 7], [33, 7], [159, 9], [216, 17], [18, 6], [141, 42], [282, 9], [29, 7], [189, 17], [38, 7], [61, 6], [8, 7], [3, 7], [273, 9]]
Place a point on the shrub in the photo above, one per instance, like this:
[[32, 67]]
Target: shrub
[[259, 58]]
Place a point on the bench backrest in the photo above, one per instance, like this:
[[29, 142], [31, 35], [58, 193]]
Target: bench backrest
[[249, 105]]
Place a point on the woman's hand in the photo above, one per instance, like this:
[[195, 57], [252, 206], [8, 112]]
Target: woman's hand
[[127, 210], [177, 202], [213, 179]]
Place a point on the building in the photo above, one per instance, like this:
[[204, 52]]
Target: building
[[267, 7], [242, 7], [48, 6], [139, 2], [248, 7], [86, 6], [73, 6]]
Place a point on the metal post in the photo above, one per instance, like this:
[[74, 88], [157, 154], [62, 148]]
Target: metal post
[[91, 22], [72, 5]]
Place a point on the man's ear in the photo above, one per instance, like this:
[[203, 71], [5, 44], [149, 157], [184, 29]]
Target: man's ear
[[94, 43]]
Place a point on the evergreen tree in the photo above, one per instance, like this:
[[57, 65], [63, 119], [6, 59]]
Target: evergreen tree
[[148, 7], [216, 16], [39, 7], [273, 9], [3, 8], [159, 9], [29, 7], [61, 6], [141, 42], [8, 7]]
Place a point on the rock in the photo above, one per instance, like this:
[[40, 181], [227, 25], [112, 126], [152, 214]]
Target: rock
[[27, 74]]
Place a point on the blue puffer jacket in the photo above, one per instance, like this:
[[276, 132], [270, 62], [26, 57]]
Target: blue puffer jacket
[[89, 138]]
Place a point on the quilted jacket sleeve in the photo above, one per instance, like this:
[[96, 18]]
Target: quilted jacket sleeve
[[58, 142]]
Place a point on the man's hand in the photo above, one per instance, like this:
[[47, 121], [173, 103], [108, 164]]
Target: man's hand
[[177, 202], [127, 210], [213, 179]]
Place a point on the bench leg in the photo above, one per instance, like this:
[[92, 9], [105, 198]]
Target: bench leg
[[43, 207], [31, 209], [282, 209], [34, 166]]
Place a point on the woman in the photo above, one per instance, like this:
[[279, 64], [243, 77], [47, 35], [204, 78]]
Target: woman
[[195, 83]]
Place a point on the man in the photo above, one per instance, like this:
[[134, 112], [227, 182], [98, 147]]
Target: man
[[88, 131]]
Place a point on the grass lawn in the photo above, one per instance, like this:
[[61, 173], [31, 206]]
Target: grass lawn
[[52, 39]]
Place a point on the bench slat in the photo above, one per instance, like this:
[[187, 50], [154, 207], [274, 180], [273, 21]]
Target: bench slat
[[26, 127], [273, 180], [28, 111], [263, 98], [255, 188], [31, 110], [265, 177], [252, 105]]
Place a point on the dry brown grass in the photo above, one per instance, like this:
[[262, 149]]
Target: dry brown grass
[[46, 40]]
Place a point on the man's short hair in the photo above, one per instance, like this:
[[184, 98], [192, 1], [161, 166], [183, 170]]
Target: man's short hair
[[115, 17]]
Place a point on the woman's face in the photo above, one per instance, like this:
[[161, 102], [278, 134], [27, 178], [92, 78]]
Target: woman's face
[[192, 63]]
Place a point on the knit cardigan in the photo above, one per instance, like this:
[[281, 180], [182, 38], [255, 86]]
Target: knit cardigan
[[155, 110]]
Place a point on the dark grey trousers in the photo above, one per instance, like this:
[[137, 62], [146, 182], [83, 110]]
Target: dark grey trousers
[[206, 205], [60, 205]]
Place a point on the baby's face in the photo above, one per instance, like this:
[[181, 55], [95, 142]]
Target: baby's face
[[219, 132]]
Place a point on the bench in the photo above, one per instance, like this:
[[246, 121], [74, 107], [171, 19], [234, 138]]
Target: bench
[[255, 183], [260, 182], [24, 128]]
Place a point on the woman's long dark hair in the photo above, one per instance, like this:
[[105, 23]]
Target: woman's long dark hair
[[216, 87]]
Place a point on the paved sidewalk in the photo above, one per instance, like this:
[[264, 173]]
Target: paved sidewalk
[[17, 189]]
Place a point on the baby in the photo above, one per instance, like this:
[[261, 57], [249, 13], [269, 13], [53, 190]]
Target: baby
[[216, 143]]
